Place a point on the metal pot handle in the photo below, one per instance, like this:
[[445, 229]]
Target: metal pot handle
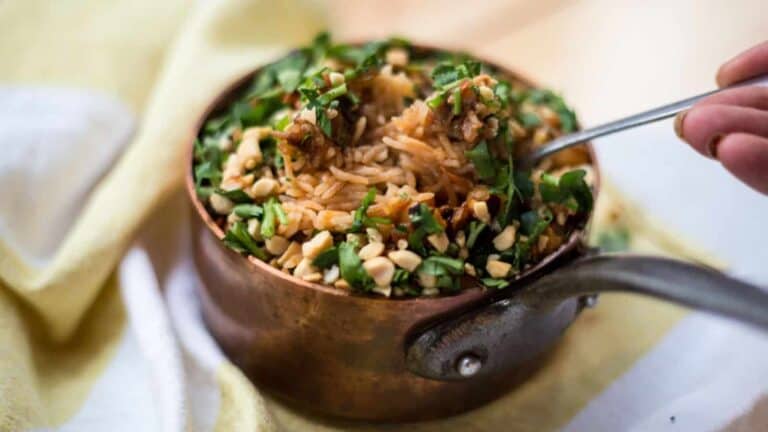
[[516, 329], [691, 285]]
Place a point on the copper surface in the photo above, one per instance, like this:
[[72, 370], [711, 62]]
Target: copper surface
[[326, 350]]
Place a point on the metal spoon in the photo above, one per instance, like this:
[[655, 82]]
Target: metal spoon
[[642, 118]]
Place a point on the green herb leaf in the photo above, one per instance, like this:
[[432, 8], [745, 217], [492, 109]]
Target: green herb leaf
[[444, 73], [237, 196], [332, 94], [436, 100], [401, 277], [424, 223], [360, 216], [570, 189], [327, 258], [475, 229], [269, 221], [550, 190], [501, 91], [352, 269], [481, 158], [457, 101], [495, 283], [533, 224], [573, 184], [529, 120], [247, 211], [557, 104], [323, 121], [440, 265], [237, 238]]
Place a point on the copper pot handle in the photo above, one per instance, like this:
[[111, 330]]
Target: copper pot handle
[[516, 329]]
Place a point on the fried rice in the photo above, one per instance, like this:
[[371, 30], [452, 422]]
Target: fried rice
[[389, 169]]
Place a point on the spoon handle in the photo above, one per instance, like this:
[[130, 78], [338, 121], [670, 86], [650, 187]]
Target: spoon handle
[[642, 118]]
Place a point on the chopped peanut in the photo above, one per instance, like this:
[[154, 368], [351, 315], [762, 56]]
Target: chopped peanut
[[304, 268], [221, 204], [320, 242], [497, 269], [254, 228], [336, 78], [405, 259], [381, 270], [294, 249], [480, 210], [505, 239], [276, 245], [439, 241], [264, 187], [371, 250]]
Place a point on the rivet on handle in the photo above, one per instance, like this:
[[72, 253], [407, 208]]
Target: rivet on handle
[[468, 365]]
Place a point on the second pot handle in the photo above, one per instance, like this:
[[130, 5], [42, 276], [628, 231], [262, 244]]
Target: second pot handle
[[691, 285]]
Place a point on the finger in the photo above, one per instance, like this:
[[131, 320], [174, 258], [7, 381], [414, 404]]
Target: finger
[[699, 126], [752, 97], [746, 157], [748, 64]]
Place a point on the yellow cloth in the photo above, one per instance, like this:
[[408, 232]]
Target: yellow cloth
[[60, 323]]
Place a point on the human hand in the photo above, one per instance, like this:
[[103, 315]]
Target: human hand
[[732, 126]]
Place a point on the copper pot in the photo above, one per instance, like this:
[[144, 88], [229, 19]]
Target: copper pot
[[334, 353]]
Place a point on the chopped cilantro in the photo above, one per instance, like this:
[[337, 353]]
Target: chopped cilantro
[[352, 269], [327, 258], [529, 120], [247, 211], [361, 219], [457, 101], [424, 223], [495, 283], [475, 228], [235, 195], [481, 158], [237, 238]]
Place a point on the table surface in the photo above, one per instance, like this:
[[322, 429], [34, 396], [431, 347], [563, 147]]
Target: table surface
[[609, 59]]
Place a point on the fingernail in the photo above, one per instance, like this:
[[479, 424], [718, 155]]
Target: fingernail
[[679, 118], [712, 145]]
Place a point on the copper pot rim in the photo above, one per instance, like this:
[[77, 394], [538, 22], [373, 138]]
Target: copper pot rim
[[575, 240]]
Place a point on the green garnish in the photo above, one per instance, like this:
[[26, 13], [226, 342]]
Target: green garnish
[[235, 195], [495, 283], [327, 258], [533, 223], [570, 190], [475, 229], [502, 91], [457, 101], [556, 104], [424, 224], [361, 219], [352, 269], [529, 120], [247, 211], [273, 212], [237, 238], [401, 277], [481, 158], [446, 270]]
